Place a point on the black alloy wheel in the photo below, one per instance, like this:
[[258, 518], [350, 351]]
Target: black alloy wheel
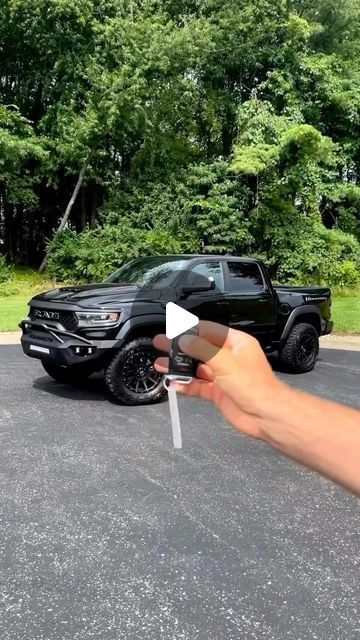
[[305, 350], [138, 373], [301, 348], [131, 377]]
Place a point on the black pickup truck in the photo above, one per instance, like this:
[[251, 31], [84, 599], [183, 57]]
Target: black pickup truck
[[77, 330]]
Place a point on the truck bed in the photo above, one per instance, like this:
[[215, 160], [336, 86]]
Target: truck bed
[[320, 291]]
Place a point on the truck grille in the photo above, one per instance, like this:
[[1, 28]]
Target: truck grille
[[68, 319]]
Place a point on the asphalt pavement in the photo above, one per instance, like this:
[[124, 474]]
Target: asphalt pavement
[[107, 533]]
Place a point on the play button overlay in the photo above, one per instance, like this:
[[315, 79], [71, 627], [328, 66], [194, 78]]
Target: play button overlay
[[176, 294], [178, 320]]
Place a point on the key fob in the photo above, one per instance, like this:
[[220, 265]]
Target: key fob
[[180, 364]]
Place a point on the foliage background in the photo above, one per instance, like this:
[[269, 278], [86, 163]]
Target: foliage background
[[207, 125]]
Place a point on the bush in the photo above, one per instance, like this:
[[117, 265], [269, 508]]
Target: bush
[[24, 280], [5, 270], [345, 274], [306, 254], [93, 254], [323, 256], [204, 205]]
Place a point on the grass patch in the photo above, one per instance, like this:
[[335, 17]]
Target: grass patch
[[15, 294], [346, 311], [12, 310]]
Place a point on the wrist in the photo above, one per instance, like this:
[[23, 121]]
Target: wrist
[[273, 411]]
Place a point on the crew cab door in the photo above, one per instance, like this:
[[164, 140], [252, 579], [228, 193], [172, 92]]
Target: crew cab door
[[251, 301], [207, 305]]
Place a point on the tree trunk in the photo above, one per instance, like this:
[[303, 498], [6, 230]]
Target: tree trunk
[[66, 215], [83, 209], [9, 230], [94, 208]]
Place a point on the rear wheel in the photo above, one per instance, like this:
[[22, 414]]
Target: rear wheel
[[68, 375], [301, 349], [131, 378]]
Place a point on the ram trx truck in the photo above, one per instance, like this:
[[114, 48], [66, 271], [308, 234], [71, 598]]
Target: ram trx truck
[[77, 330]]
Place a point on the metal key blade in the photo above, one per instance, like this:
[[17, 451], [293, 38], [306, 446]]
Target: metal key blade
[[175, 418]]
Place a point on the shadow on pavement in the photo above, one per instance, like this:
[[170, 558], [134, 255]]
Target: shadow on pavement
[[279, 367], [94, 388], [91, 389]]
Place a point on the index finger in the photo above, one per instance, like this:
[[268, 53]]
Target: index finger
[[215, 333], [162, 343], [220, 335]]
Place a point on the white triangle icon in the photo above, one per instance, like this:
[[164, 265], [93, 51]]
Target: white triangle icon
[[178, 320]]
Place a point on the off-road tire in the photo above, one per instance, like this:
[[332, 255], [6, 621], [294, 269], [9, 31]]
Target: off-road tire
[[68, 375], [119, 372], [301, 349]]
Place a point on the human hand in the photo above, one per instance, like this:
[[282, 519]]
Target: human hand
[[233, 373]]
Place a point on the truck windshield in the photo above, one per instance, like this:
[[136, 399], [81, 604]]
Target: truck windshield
[[154, 273]]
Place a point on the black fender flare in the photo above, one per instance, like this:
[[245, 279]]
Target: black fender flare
[[295, 315], [140, 321]]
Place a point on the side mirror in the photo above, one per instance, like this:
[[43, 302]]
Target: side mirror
[[207, 285]]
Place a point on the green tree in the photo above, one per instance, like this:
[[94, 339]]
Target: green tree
[[229, 122], [20, 151]]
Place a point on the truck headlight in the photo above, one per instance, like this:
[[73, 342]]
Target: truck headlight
[[100, 319]]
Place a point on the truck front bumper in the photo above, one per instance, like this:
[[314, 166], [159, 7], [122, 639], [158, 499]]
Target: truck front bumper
[[61, 347]]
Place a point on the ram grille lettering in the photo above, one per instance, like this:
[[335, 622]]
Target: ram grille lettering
[[48, 315]]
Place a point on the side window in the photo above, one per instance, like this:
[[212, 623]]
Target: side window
[[245, 277], [206, 270]]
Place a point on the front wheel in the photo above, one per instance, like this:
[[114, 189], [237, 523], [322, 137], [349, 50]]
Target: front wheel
[[131, 378], [301, 348], [67, 375]]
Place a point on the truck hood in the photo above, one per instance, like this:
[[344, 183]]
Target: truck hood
[[96, 296]]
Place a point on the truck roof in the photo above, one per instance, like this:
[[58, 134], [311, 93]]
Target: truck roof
[[192, 256]]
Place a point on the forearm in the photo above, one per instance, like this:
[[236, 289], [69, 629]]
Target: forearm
[[320, 434]]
